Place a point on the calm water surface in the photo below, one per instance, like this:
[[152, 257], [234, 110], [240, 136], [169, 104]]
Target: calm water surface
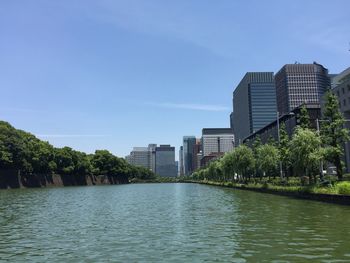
[[168, 223]]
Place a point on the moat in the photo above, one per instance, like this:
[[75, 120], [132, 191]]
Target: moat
[[168, 222]]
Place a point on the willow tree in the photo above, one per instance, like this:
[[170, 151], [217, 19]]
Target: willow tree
[[228, 166], [305, 152], [267, 159], [244, 162]]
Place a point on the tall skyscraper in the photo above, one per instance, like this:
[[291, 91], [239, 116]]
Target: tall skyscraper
[[181, 161], [254, 104], [188, 145], [165, 161], [297, 84]]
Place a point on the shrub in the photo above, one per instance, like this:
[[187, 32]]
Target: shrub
[[343, 188]]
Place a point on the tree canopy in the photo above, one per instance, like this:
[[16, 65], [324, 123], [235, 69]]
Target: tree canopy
[[23, 151]]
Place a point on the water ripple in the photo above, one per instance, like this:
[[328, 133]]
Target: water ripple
[[168, 222]]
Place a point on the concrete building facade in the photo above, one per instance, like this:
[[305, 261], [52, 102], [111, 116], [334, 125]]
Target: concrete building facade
[[290, 120]]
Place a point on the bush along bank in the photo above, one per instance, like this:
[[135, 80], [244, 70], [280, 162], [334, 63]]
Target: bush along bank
[[338, 193]]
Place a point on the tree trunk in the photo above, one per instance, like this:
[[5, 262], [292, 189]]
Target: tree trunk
[[338, 164]]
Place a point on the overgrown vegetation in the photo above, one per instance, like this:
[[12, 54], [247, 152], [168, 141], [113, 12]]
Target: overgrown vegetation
[[23, 151]]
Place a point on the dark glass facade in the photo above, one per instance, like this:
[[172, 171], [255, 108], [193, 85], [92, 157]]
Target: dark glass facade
[[254, 104], [188, 146], [165, 161], [262, 104]]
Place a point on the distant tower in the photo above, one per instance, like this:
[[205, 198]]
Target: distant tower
[[188, 145]]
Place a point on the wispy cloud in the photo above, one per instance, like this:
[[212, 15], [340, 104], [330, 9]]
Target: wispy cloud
[[184, 22], [21, 110], [70, 135], [184, 106], [332, 37]]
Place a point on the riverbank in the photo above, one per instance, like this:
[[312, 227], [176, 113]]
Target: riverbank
[[11, 178], [302, 192]]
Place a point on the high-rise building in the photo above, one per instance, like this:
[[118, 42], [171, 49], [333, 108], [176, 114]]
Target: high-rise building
[[197, 149], [297, 84], [254, 104], [139, 156], [152, 155], [217, 140], [143, 156], [181, 161], [165, 161], [188, 145], [177, 167]]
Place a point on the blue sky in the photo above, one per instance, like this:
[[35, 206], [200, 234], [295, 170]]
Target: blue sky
[[112, 74]]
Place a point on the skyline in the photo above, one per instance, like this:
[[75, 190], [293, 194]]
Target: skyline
[[114, 75]]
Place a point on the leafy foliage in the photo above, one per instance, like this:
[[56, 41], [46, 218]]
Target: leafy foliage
[[305, 151], [333, 133], [267, 158], [23, 151], [304, 118]]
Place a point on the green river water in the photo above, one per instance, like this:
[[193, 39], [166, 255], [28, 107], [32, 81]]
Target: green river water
[[168, 223]]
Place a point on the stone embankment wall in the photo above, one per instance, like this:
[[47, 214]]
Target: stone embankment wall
[[15, 179]]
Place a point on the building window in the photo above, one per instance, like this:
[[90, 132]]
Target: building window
[[342, 89], [344, 102], [338, 93]]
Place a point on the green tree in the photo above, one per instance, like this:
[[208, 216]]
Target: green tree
[[305, 152], [228, 165], [267, 158], [255, 147], [304, 118], [23, 151], [244, 162], [333, 133], [284, 151]]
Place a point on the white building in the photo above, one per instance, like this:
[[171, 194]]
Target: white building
[[143, 156]]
